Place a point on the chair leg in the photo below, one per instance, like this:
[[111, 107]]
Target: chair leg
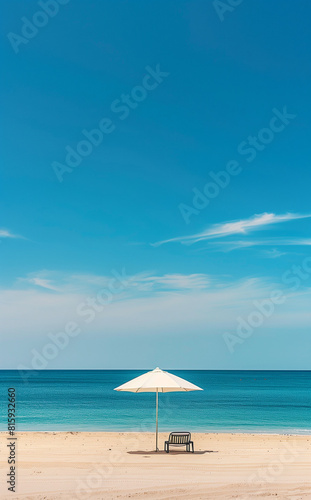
[[192, 447]]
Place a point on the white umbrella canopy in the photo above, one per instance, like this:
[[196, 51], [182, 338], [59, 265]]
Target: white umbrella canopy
[[158, 381]]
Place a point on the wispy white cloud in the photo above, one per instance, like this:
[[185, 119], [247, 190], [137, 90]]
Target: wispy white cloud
[[212, 309], [4, 233], [163, 312], [274, 253], [243, 226], [40, 279], [43, 283], [228, 246], [172, 282], [88, 283]]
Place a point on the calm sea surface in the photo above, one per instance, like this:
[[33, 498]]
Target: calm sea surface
[[238, 401]]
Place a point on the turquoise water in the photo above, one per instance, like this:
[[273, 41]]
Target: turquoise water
[[237, 401]]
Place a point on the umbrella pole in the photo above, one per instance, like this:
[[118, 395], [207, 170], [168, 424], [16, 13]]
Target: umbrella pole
[[157, 404]]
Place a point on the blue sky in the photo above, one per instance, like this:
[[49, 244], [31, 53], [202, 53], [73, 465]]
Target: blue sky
[[218, 85]]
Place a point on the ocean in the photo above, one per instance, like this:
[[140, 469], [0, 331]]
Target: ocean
[[232, 401]]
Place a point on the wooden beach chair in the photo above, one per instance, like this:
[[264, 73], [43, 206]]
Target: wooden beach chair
[[179, 439]]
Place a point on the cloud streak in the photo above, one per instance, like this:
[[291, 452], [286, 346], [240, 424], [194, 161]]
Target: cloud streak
[[43, 284], [228, 246], [200, 310], [243, 226], [87, 283], [158, 306], [4, 233]]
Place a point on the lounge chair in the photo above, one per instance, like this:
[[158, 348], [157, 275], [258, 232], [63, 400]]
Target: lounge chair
[[179, 439]]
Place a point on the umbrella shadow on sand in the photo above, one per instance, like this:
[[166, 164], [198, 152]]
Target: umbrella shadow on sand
[[162, 452]]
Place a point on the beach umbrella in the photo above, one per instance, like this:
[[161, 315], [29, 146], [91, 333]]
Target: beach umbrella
[[158, 381]]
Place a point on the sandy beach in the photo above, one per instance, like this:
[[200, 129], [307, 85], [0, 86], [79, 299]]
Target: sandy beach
[[116, 465]]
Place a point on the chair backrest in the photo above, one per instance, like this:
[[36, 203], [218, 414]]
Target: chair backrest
[[179, 437]]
